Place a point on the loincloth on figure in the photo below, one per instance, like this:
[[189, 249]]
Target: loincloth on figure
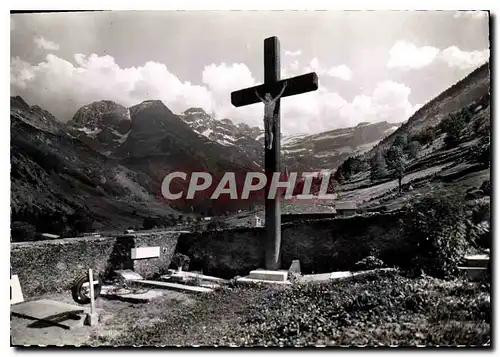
[[269, 127]]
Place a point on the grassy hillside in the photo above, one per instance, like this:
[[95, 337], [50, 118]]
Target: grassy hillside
[[443, 147]]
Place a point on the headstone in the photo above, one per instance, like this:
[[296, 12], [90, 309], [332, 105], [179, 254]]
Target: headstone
[[16, 293], [295, 267], [145, 252]]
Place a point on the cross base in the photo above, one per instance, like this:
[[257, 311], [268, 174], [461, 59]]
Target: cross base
[[269, 275]]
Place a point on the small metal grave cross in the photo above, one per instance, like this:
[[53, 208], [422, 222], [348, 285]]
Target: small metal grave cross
[[273, 86]]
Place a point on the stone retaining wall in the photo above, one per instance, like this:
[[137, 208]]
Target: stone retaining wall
[[322, 245], [53, 265]]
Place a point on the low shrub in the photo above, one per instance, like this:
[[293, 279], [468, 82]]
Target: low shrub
[[435, 228], [23, 232], [368, 263], [486, 187]]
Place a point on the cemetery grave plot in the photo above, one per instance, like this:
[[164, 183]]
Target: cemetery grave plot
[[378, 309]]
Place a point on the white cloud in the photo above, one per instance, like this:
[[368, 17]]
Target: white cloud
[[293, 53], [455, 57], [62, 87], [407, 55], [294, 69], [226, 78], [44, 44], [314, 65], [476, 14], [389, 101], [342, 72]]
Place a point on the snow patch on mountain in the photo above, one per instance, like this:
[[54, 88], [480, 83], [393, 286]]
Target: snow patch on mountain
[[330, 136], [90, 132]]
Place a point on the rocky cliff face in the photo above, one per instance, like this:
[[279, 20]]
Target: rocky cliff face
[[160, 142], [225, 132], [103, 125], [299, 152], [34, 116], [59, 183]]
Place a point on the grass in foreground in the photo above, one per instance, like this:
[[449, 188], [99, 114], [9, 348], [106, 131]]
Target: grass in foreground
[[375, 310]]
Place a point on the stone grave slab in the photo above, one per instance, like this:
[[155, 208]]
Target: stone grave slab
[[209, 285], [145, 252], [176, 277], [16, 293], [128, 275], [315, 277], [174, 286], [129, 295], [53, 312], [342, 274], [249, 280], [194, 275], [478, 260], [270, 275]]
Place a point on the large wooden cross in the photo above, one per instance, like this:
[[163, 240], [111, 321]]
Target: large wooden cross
[[273, 85]]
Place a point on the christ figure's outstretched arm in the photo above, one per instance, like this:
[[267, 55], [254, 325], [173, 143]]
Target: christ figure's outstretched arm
[[258, 96], [281, 93]]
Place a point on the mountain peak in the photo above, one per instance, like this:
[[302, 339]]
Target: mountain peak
[[102, 124], [194, 110], [19, 102]]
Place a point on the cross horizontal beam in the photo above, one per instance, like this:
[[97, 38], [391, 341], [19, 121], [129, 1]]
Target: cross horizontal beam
[[296, 85]]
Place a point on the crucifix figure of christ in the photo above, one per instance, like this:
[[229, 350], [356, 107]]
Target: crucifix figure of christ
[[269, 115], [272, 91]]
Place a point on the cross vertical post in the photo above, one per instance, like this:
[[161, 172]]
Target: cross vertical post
[[272, 73], [274, 87]]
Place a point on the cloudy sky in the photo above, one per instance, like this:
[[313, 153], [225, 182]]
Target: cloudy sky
[[372, 66]]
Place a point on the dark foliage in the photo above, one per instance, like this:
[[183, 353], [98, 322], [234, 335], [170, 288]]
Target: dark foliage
[[378, 167], [425, 136], [453, 125], [44, 221], [486, 187], [484, 155], [22, 232], [368, 263], [159, 222], [217, 224], [350, 167], [180, 260], [436, 227]]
